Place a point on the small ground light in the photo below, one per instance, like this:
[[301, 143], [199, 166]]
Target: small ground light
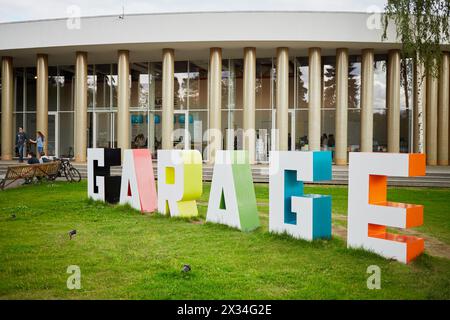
[[13, 216], [72, 233], [186, 268]]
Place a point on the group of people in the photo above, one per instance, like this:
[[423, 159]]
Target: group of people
[[21, 146], [327, 141]]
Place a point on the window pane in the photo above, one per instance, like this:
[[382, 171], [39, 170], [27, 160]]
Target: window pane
[[154, 140], [104, 130], [405, 130], [354, 82], [155, 90], [52, 88], [329, 82], [232, 129], [67, 86], [198, 85], [354, 129], [139, 90], [139, 130], [379, 92], [301, 130], [198, 124], [379, 130], [264, 83], [302, 82], [91, 85], [263, 125], [31, 89], [103, 92], [328, 129], [18, 72], [180, 85], [66, 131]]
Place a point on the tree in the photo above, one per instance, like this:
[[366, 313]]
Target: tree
[[422, 27]]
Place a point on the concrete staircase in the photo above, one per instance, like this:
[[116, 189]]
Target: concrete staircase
[[436, 176]]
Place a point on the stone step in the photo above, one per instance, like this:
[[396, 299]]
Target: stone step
[[436, 176]]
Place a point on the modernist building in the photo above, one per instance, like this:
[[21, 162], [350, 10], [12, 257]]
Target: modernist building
[[220, 80]]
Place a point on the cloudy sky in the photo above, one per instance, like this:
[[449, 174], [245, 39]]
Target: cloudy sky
[[19, 10]]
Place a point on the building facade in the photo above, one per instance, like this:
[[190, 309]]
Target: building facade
[[258, 81]]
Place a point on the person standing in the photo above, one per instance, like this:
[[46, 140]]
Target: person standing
[[40, 138], [21, 143]]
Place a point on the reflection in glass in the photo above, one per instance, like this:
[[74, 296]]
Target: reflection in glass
[[263, 87], [379, 130], [329, 82], [66, 133], [66, 88], [354, 82], [379, 105], [302, 84], [53, 80], [232, 88], [103, 86], [406, 102], [31, 89], [181, 76], [198, 85]]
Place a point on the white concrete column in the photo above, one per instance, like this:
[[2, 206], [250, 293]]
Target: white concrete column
[[282, 98], [7, 126], [80, 106], [123, 98], [367, 100], [249, 97], [393, 101], [432, 120], [341, 106], [420, 97], [41, 98], [215, 103], [443, 112], [167, 98], [315, 98]]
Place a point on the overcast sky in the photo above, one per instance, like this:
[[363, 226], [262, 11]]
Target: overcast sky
[[19, 10]]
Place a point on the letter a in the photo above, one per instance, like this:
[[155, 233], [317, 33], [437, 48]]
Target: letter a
[[179, 182], [232, 199], [138, 182]]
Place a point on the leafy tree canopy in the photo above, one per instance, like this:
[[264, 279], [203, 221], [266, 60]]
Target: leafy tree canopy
[[422, 27]]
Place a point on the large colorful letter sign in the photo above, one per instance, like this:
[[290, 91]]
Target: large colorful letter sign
[[369, 212], [138, 182], [232, 199], [179, 182], [303, 216], [101, 185]]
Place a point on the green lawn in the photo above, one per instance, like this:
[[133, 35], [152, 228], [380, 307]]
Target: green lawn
[[125, 255]]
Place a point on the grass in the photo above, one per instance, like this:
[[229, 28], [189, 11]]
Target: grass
[[126, 255]]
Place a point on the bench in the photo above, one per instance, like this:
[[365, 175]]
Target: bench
[[48, 170]]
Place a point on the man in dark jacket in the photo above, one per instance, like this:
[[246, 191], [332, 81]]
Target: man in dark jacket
[[21, 143], [32, 158]]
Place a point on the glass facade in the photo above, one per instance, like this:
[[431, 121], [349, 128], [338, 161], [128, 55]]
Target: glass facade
[[60, 136], [191, 105], [354, 104]]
